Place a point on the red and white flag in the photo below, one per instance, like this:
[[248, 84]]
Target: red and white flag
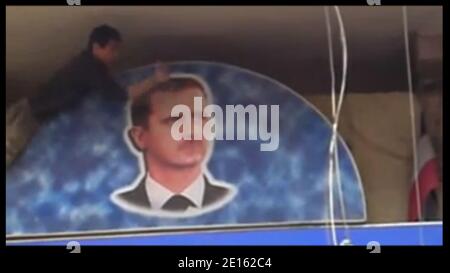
[[428, 178]]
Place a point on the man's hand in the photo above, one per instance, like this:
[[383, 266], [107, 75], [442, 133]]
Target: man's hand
[[161, 74]]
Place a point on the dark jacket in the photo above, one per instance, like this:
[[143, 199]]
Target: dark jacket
[[138, 195], [68, 86]]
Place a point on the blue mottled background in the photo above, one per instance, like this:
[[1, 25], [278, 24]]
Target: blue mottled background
[[64, 179]]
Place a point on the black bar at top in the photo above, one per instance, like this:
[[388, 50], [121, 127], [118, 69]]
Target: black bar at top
[[373, 3]]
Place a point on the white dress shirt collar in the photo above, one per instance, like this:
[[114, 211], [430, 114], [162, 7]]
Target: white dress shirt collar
[[158, 195]]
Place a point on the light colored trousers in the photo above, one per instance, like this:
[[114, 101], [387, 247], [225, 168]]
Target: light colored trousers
[[20, 128]]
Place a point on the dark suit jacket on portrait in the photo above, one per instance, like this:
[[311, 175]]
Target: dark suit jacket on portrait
[[138, 195]]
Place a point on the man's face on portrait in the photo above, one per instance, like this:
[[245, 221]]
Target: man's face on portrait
[[155, 140]]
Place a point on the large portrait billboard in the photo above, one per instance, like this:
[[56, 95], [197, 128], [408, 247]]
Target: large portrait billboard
[[262, 158]]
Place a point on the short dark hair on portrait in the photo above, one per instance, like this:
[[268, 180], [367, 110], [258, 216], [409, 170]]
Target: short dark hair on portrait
[[141, 106], [102, 35]]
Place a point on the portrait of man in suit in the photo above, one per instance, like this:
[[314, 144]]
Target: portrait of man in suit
[[174, 180]]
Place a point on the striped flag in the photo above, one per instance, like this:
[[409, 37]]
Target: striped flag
[[428, 178]]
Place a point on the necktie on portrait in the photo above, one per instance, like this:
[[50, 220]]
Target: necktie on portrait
[[178, 203]]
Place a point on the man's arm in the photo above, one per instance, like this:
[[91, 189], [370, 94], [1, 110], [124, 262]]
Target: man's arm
[[106, 83], [140, 88], [137, 89]]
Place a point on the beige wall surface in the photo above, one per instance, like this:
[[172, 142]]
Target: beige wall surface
[[377, 129]]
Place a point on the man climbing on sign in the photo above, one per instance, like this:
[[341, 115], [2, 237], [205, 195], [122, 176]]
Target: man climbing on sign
[[90, 71]]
